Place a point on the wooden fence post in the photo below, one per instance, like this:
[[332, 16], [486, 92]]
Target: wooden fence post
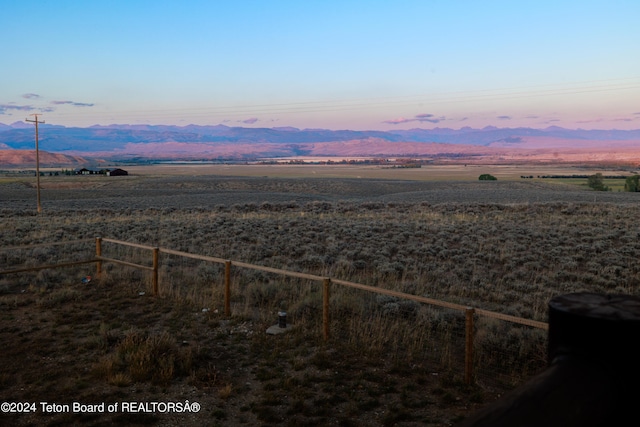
[[468, 345], [98, 255], [227, 288], [325, 308], [156, 251]]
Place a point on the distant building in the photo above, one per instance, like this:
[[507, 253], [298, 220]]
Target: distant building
[[107, 172], [116, 172], [86, 171]]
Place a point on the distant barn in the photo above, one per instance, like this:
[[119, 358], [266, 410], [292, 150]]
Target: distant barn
[[116, 172]]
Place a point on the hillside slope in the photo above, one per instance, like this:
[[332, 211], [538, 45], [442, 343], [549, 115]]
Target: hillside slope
[[28, 158]]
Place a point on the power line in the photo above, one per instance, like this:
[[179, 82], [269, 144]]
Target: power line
[[438, 98]]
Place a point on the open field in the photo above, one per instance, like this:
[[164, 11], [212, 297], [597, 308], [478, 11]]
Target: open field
[[209, 186], [507, 246], [452, 172]]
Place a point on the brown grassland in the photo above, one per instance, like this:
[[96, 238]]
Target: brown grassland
[[506, 246]]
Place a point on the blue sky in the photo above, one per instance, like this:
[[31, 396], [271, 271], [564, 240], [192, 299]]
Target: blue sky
[[322, 64]]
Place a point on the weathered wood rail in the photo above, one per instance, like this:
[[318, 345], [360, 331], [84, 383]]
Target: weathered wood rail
[[327, 282]]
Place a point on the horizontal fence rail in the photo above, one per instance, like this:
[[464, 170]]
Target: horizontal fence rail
[[123, 243], [327, 282], [41, 245], [127, 263], [512, 319], [47, 267]]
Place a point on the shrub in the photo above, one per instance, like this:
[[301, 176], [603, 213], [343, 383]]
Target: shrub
[[487, 177], [632, 183], [139, 357], [597, 182]]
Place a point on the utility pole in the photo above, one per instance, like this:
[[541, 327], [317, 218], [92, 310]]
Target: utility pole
[[36, 121]]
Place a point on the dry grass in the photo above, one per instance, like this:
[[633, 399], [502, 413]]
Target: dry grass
[[111, 344], [436, 172]]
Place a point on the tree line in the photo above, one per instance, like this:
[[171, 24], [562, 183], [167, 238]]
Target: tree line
[[596, 182]]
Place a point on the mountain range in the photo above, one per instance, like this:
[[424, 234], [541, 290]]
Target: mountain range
[[223, 142]]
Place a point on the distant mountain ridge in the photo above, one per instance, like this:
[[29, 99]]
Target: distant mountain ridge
[[216, 141], [491, 134], [107, 138], [60, 138]]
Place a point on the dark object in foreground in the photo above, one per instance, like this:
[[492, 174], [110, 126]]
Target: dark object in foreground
[[592, 378]]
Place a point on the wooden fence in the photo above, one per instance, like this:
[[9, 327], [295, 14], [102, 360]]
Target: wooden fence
[[327, 283]]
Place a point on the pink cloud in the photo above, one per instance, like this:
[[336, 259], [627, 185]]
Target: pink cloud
[[397, 121], [626, 119], [591, 121], [430, 118], [250, 121]]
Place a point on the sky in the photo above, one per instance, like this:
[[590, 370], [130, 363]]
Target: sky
[[346, 64]]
